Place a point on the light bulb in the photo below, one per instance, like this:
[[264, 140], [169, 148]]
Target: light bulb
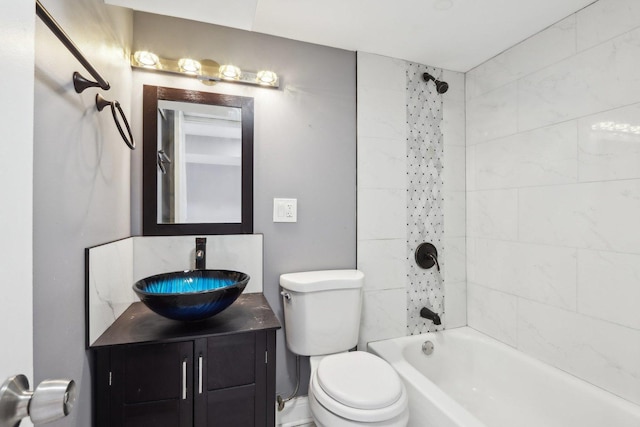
[[189, 66], [230, 72], [146, 59], [266, 77]]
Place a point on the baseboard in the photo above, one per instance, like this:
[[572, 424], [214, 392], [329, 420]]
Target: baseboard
[[296, 412]]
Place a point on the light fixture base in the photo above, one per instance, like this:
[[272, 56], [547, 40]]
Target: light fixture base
[[210, 73]]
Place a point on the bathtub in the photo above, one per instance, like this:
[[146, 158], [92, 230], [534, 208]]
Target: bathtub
[[471, 380]]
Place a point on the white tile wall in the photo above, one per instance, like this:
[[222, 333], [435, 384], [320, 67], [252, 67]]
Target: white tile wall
[[382, 212], [609, 287], [493, 214], [597, 79], [597, 351], [385, 263], [382, 193], [110, 281], [492, 312], [382, 196], [605, 20], [456, 259], [598, 215], [609, 145], [455, 200], [378, 116], [454, 168], [543, 49], [553, 196], [492, 115], [455, 304], [455, 203], [453, 114], [540, 157], [382, 154], [384, 315], [538, 272]]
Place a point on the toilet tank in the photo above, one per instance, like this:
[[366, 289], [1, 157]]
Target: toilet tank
[[322, 310]]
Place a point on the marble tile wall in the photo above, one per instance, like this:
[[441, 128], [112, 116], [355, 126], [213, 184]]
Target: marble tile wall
[[425, 195], [455, 200], [110, 278], [553, 190], [382, 197]]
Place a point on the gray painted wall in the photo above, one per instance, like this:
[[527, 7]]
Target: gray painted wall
[[305, 145], [81, 182]]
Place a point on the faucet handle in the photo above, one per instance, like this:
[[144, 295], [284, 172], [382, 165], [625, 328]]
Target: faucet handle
[[426, 256], [201, 253]]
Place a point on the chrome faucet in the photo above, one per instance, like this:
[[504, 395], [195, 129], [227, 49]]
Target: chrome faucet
[[201, 253], [428, 314]]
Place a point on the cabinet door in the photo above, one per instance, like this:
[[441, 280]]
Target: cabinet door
[[234, 376], [152, 385], [231, 360]]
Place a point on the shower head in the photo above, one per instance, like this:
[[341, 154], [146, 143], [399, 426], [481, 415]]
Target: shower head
[[441, 86]]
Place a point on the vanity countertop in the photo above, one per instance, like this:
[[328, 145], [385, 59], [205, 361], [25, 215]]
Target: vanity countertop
[[138, 324]]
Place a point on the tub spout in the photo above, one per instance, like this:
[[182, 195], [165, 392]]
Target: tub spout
[[201, 253], [428, 314]]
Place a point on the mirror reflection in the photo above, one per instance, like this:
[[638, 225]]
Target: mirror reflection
[[197, 162]]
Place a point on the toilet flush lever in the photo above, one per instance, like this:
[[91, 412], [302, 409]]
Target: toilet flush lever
[[286, 295]]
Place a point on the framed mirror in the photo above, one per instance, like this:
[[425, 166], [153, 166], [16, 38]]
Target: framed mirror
[[197, 162]]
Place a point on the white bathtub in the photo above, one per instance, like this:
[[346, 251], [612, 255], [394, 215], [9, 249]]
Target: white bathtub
[[471, 380]]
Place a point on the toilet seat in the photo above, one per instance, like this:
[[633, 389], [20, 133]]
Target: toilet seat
[[337, 387], [359, 380]]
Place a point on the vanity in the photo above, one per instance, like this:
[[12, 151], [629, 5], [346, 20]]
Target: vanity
[[156, 372], [150, 370]]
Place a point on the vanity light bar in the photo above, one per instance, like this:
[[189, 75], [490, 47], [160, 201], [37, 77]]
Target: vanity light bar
[[207, 71]]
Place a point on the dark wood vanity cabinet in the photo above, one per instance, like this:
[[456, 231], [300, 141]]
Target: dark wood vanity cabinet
[[221, 379]]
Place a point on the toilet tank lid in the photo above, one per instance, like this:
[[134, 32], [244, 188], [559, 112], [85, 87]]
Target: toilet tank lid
[[315, 281]]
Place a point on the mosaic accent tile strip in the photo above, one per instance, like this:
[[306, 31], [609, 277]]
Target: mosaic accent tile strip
[[425, 197]]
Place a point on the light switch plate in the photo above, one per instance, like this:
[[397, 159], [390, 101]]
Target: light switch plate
[[285, 210]]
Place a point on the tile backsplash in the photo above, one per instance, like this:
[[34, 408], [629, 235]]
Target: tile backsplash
[[114, 267]]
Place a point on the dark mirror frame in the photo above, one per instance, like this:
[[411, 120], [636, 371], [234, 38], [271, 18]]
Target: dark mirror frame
[[150, 226]]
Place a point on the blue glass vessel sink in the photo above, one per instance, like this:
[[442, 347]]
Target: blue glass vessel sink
[[192, 294]]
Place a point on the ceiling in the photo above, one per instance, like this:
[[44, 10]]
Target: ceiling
[[452, 34]]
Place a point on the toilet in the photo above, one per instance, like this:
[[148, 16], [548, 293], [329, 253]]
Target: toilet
[[322, 320]]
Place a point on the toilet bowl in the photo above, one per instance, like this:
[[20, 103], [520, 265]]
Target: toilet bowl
[[356, 389]]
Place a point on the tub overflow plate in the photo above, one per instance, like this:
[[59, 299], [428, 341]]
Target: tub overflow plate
[[427, 348]]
